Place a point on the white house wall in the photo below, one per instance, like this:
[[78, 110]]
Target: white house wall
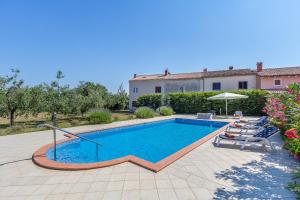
[[230, 83], [167, 86]]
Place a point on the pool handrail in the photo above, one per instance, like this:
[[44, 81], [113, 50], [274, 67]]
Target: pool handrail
[[54, 128]]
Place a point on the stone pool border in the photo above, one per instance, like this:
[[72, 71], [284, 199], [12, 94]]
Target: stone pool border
[[39, 157]]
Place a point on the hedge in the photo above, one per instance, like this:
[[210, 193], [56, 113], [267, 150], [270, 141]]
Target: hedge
[[153, 101], [193, 102]]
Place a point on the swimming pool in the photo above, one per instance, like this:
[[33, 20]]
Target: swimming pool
[[149, 142]]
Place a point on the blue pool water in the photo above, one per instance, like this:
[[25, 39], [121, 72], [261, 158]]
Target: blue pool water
[[151, 141]]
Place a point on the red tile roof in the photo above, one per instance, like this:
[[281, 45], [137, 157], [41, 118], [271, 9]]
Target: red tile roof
[[283, 71], [196, 75]]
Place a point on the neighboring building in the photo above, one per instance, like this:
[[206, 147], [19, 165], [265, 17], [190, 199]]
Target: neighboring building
[[231, 79], [278, 78]]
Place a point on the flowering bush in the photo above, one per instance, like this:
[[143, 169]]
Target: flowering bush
[[275, 109], [284, 111], [291, 133]]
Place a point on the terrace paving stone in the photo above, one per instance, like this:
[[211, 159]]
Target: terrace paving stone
[[132, 185], [207, 172], [149, 195]]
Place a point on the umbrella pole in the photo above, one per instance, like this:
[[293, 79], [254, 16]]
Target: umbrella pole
[[226, 108]]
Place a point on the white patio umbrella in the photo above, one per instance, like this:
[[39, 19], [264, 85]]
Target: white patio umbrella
[[227, 96]]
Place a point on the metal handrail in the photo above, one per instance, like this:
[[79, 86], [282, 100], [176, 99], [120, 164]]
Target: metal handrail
[[63, 130], [54, 128]]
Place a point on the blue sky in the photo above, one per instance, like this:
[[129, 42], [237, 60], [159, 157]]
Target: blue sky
[[108, 41]]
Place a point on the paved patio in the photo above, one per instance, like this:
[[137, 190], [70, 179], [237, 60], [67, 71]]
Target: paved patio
[[208, 172]]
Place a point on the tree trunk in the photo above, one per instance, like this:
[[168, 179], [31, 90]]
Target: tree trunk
[[12, 117], [53, 118]]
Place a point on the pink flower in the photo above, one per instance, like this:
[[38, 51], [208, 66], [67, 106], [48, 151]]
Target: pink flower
[[290, 91], [291, 133]]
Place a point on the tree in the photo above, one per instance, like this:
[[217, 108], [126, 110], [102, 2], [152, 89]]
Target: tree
[[88, 96], [36, 98], [56, 98], [13, 96], [122, 99]]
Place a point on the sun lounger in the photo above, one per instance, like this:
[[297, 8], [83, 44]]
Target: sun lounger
[[263, 121], [259, 136], [238, 114], [205, 116]]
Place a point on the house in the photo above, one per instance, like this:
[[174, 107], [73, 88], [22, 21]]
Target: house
[[230, 79], [277, 79]]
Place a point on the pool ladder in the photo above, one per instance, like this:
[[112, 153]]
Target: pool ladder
[[54, 128]]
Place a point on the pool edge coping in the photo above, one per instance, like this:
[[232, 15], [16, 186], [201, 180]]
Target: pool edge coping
[[40, 158]]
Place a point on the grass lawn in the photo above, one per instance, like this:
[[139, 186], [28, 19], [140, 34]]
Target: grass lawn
[[25, 124]]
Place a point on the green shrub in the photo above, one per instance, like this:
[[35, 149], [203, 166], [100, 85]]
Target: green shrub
[[100, 117], [165, 111], [193, 102], [150, 100], [144, 112]]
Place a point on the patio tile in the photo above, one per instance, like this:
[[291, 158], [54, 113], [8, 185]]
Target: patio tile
[[86, 178], [80, 187], [179, 183], [163, 184], [26, 190], [185, 194], [149, 195], [102, 177], [74, 196], [117, 177], [131, 195], [98, 186], [146, 176], [112, 195], [148, 184], [202, 193], [56, 197], [62, 188], [131, 185], [37, 197], [167, 194], [93, 196], [132, 176], [115, 185], [44, 189]]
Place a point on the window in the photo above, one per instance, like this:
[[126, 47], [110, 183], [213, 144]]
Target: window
[[157, 89], [135, 90], [243, 85], [277, 82], [216, 86]]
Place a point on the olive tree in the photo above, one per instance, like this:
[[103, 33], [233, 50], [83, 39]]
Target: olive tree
[[56, 96], [121, 98], [12, 96], [89, 95]]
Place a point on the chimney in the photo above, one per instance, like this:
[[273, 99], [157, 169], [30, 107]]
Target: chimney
[[230, 67], [134, 75], [205, 70], [167, 72], [259, 66]]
